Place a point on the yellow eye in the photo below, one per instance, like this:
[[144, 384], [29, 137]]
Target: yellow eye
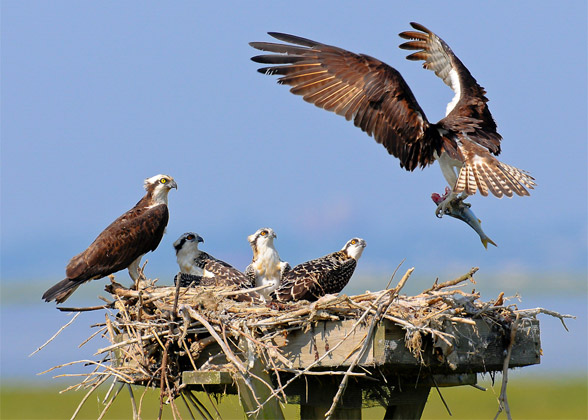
[[263, 233], [353, 242], [190, 237], [163, 180]]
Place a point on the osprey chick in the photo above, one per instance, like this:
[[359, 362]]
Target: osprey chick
[[266, 266], [198, 268], [197, 264], [326, 275], [123, 243]]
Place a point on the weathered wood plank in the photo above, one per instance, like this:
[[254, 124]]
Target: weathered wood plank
[[303, 349], [477, 348], [210, 377]]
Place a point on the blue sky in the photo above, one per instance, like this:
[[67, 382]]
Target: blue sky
[[97, 96]]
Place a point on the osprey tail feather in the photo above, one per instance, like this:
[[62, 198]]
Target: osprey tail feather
[[61, 291]]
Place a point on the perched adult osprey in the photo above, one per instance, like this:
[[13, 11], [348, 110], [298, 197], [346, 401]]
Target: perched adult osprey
[[379, 101], [202, 268], [325, 275], [266, 266], [123, 243]]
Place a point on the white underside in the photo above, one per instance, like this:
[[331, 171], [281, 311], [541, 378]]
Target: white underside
[[450, 168], [185, 258], [268, 270]]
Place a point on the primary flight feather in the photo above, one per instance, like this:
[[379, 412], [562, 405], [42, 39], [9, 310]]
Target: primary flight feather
[[378, 100]]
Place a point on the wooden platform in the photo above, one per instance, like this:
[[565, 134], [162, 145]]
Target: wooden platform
[[399, 379]]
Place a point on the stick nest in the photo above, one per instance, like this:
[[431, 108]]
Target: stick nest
[[156, 333]]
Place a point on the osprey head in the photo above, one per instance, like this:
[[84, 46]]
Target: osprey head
[[262, 239], [159, 186], [187, 251], [263, 235], [188, 241], [354, 247]]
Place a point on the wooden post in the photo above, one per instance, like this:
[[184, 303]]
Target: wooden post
[[316, 397], [409, 405], [271, 410]]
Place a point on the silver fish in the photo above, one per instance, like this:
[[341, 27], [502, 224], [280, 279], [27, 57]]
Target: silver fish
[[460, 210]]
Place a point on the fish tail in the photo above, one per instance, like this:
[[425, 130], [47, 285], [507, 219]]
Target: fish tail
[[486, 240]]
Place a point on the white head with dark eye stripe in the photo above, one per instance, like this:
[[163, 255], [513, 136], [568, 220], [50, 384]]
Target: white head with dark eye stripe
[[354, 248], [186, 247], [159, 186], [262, 239]]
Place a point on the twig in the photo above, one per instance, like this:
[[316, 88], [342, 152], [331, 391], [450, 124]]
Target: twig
[[439, 392], [503, 401], [199, 406], [56, 334], [111, 401], [525, 313], [244, 291], [87, 309], [402, 281], [133, 404], [468, 275], [91, 337], [394, 273], [187, 406], [228, 353], [163, 377], [366, 343], [96, 385]]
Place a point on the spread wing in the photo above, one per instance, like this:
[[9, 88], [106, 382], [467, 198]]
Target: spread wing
[[468, 111], [316, 278], [133, 234], [359, 88], [468, 118]]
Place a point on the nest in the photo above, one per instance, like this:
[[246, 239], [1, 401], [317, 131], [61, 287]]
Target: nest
[[158, 333]]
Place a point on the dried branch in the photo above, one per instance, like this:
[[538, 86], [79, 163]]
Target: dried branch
[[56, 334], [503, 401], [468, 276]]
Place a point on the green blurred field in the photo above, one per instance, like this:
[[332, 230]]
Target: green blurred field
[[560, 398]]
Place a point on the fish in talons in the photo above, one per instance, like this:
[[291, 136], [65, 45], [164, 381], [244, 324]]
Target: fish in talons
[[460, 210]]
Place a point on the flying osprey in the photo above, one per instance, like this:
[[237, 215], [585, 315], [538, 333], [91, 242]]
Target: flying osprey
[[202, 268], [376, 97], [266, 266], [123, 243], [325, 275]]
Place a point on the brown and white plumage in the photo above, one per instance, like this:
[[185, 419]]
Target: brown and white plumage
[[378, 100], [266, 267], [201, 268], [122, 244], [326, 275]]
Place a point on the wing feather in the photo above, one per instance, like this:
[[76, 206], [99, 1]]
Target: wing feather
[[133, 234], [224, 273], [358, 87], [468, 111]]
